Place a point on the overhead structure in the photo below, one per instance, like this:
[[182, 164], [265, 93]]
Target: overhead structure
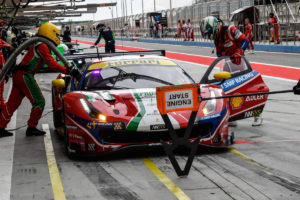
[[31, 12]]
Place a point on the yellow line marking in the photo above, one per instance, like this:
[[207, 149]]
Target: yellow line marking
[[246, 158], [257, 165], [165, 180], [57, 188]]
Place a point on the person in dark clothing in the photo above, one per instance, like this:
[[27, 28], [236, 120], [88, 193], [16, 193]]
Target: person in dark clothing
[[67, 35], [109, 38]]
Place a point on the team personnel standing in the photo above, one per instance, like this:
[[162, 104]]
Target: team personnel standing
[[274, 29], [109, 38], [2, 62], [67, 35], [190, 30], [249, 35], [184, 29], [24, 84], [229, 41], [179, 29]]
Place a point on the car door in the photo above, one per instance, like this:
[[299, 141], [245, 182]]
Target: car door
[[243, 80]]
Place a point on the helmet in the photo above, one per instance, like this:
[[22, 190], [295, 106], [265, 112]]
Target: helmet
[[208, 26], [51, 32]]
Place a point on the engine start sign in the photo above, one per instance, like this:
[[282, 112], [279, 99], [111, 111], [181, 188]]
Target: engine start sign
[[178, 98]]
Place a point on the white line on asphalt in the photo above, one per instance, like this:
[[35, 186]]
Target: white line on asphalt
[[7, 146]]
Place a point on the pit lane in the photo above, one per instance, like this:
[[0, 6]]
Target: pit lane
[[263, 165]]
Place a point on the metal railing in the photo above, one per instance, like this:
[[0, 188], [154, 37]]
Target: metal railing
[[288, 31]]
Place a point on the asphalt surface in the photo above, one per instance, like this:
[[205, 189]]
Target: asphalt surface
[[265, 165]]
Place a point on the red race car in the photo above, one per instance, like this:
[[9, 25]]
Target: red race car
[[114, 104]]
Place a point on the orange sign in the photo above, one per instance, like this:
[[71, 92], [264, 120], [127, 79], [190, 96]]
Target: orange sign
[[178, 98]]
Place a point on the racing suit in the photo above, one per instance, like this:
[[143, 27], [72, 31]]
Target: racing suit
[[179, 30], [109, 38], [274, 30], [2, 62], [190, 31], [185, 31], [249, 35], [230, 41], [24, 84]]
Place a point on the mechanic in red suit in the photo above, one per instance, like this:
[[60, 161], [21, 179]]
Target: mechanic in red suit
[[275, 28], [2, 62], [249, 34], [24, 84], [229, 40]]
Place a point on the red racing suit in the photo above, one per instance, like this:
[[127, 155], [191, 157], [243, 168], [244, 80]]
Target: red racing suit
[[2, 62], [229, 40], [249, 34], [24, 84], [273, 21], [190, 31]]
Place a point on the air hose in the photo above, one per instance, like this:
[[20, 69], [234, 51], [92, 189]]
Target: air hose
[[11, 60]]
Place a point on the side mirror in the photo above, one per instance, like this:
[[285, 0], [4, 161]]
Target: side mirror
[[222, 75], [58, 83]]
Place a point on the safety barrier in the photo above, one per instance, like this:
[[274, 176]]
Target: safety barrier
[[207, 43]]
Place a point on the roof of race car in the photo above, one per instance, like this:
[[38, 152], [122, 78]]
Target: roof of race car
[[130, 60]]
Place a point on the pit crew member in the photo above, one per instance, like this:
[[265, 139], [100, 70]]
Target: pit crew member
[[229, 41], [24, 84]]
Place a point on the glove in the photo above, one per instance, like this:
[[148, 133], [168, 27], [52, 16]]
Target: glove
[[236, 57], [296, 88], [74, 71]]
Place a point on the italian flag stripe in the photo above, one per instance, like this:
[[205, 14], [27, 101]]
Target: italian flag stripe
[[134, 123]]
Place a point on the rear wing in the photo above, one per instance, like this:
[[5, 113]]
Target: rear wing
[[103, 55]]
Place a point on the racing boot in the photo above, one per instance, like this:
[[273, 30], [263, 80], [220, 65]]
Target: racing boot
[[5, 133], [257, 120], [33, 131]]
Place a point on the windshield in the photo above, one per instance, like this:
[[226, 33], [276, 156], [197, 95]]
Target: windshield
[[135, 76]]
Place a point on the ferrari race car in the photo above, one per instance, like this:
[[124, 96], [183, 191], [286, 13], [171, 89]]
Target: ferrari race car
[[114, 104]]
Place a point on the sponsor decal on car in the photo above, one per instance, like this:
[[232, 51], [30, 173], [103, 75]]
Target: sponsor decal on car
[[158, 62], [254, 98], [236, 102], [252, 113], [231, 83], [157, 127]]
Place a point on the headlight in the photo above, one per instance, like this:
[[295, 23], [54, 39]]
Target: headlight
[[92, 112], [211, 105]]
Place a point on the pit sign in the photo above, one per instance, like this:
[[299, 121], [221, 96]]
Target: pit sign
[[178, 98]]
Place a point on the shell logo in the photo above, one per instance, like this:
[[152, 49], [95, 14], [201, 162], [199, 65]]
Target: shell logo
[[236, 102]]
